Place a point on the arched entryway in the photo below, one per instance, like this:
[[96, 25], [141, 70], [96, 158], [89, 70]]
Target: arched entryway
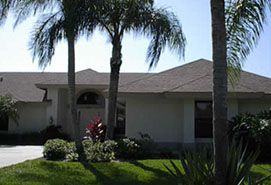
[[90, 104]]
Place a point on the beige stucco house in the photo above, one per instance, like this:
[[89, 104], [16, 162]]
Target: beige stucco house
[[173, 106]]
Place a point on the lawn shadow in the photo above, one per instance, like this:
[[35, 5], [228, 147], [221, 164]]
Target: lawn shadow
[[156, 171], [112, 174]]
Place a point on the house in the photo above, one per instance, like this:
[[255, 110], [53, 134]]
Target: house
[[174, 106]]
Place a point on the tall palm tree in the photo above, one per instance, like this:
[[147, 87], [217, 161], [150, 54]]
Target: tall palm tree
[[243, 21], [62, 20], [219, 90], [118, 17]]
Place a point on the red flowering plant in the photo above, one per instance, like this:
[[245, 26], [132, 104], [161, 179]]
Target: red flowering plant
[[95, 130]]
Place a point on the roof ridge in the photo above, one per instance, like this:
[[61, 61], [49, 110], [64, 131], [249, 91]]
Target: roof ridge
[[186, 64]]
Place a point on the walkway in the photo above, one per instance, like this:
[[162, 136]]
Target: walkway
[[16, 154]]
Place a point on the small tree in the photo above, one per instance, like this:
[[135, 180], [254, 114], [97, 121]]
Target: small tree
[[8, 108]]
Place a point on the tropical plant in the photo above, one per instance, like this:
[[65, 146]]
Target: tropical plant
[[61, 20], [254, 129], [198, 168], [117, 17], [95, 130], [8, 108]]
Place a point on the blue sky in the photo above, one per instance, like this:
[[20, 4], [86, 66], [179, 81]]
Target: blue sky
[[95, 52]]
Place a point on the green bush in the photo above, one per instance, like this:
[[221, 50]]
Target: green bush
[[99, 151], [127, 149], [142, 148], [147, 146], [255, 130], [58, 149]]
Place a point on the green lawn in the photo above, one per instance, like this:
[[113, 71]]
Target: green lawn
[[145, 172]]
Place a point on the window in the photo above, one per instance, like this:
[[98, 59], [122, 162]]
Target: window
[[4, 123], [203, 119], [89, 98]]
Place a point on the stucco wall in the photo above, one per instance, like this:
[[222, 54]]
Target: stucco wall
[[32, 118], [161, 118], [172, 120], [253, 106]]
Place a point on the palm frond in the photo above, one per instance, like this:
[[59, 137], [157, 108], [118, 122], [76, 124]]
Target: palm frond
[[160, 25], [49, 30], [23, 9], [244, 24], [4, 8]]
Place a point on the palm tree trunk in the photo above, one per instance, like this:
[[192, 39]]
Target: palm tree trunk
[[219, 91], [115, 64], [71, 84]]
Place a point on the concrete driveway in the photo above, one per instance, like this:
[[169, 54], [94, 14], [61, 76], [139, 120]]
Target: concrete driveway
[[16, 154]]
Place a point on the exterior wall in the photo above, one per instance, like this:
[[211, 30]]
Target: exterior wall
[[188, 121], [161, 118], [170, 120], [52, 110], [32, 118], [253, 106]]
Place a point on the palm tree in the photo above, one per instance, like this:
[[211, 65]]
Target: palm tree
[[243, 21], [64, 21], [4, 8], [118, 17], [219, 90]]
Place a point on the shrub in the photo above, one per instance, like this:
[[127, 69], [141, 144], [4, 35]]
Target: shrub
[[99, 151], [96, 130], [53, 132], [147, 146], [58, 149], [254, 130], [8, 108], [127, 149]]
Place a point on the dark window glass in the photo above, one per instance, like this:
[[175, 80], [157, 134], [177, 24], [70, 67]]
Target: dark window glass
[[4, 123], [89, 98], [203, 119]]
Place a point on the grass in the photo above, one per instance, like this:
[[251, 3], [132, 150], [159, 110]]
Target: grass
[[145, 172]]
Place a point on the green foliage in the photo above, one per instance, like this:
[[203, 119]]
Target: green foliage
[[127, 149], [130, 148], [244, 24], [254, 129], [99, 151], [147, 146], [8, 108], [198, 168], [58, 149]]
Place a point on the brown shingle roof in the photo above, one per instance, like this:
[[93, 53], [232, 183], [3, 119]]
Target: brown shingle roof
[[21, 86], [194, 77]]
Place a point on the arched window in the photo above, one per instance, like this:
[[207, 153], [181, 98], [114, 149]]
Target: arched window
[[89, 98]]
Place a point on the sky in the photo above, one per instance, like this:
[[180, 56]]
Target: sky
[[95, 52]]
